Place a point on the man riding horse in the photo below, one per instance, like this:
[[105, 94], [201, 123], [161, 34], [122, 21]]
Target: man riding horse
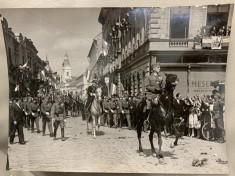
[[91, 95], [154, 85], [159, 96]]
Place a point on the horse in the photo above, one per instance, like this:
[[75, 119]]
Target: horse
[[95, 112], [161, 115]]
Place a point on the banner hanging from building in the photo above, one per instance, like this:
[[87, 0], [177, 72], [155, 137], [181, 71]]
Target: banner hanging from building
[[216, 42]]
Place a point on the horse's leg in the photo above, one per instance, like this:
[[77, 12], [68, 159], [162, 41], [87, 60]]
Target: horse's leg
[[177, 136], [139, 129], [94, 126], [98, 122], [151, 142], [87, 120], [160, 156]]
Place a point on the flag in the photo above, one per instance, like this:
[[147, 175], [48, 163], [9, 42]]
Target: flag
[[105, 48], [114, 89], [43, 73], [88, 75], [16, 88], [25, 65]]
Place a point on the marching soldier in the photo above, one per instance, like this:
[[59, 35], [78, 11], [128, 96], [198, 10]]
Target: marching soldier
[[106, 118], [34, 111], [23, 106], [28, 113], [125, 110], [58, 114], [113, 107], [46, 116]]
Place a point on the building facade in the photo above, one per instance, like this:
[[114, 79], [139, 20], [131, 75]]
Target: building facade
[[93, 58], [24, 65], [180, 38]]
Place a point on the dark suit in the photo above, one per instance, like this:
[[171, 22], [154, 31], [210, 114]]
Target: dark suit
[[16, 114], [178, 112], [178, 108]]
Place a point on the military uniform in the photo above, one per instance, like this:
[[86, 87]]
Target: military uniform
[[46, 117], [34, 111], [90, 90], [113, 107], [106, 118], [218, 120], [58, 113], [27, 113], [125, 110], [23, 106], [154, 85]]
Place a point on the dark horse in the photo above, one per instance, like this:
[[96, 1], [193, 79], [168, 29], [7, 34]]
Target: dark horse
[[161, 115]]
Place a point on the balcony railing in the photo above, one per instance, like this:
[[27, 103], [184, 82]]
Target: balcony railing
[[178, 43]]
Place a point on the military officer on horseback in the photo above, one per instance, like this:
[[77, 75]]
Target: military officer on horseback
[[154, 84], [91, 95]]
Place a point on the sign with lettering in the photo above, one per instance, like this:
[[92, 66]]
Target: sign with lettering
[[200, 82]]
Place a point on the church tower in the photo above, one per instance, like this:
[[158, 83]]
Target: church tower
[[66, 68]]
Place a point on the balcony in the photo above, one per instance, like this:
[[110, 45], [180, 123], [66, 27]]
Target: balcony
[[178, 43], [171, 44]]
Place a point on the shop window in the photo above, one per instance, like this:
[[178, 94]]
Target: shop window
[[217, 16], [179, 22], [195, 59], [169, 58]]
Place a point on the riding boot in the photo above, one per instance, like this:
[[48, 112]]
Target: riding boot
[[43, 129], [62, 134], [55, 134]]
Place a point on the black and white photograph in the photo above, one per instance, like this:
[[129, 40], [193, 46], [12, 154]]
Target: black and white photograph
[[118, 90]]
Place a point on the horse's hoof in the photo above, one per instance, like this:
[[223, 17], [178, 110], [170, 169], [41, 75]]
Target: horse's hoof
[[161, 161], [94, 137], [172, 145], [141, 153], [154, 155]]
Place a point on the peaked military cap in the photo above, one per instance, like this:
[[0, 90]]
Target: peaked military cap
[[156, 65], [95, 81]]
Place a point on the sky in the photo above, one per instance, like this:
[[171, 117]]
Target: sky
[[57, 31]]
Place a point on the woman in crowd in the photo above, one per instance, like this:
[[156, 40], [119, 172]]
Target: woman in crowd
[[194, 116]]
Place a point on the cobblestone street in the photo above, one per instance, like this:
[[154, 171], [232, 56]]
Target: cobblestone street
[[114, 150]]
